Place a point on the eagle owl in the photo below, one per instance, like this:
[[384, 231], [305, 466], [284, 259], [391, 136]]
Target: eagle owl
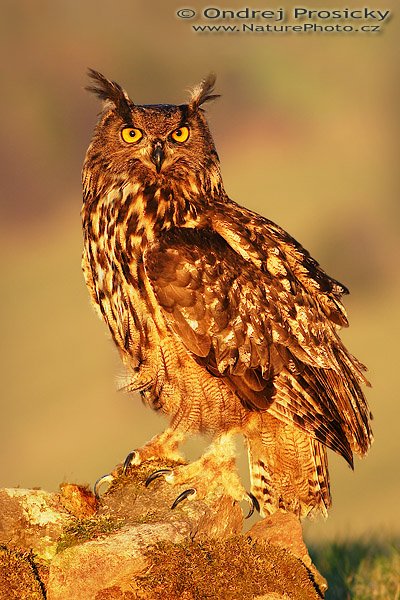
[[223, 321]]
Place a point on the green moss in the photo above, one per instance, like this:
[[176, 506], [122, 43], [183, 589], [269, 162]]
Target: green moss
[[83, 530], [234, 569]]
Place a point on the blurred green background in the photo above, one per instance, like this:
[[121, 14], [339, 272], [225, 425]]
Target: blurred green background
[[307, 132]]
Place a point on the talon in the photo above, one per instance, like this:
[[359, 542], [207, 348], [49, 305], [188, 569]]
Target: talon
[[128, 462], [101, 480], [155, 475], [254, 505], [182, 496]]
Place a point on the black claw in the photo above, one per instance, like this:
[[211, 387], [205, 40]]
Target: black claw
[[127, 462], [254, 505], [100, 482], [182, 496], [155, 475]]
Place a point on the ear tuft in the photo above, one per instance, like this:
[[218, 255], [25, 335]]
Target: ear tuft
[[109, 92], [202, 92]]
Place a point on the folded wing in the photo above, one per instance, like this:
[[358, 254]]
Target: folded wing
[[240, 307]]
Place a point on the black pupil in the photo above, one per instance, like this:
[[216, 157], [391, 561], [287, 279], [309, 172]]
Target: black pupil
[[179, 132], [132, 133]]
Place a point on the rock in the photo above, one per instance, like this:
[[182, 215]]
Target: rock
[[273, 596], [284, 530], [90, 569], [281, 529], [78, 500], [129, 499], [19, 578], [132, 546], [231, 569], [35, 519], [109, 564], [31, 519]]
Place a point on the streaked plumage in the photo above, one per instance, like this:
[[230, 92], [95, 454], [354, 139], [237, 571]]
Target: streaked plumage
[[222, 320]]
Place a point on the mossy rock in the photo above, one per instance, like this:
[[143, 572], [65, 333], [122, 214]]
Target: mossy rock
[[19, 576], [233, 569]]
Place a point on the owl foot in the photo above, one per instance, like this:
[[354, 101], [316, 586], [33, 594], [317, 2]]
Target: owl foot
[[163, 447], [100, 482], [129, 461], [185, 494], [214, 470], [161, 473], [134, 459], [109, 478], [254, 504], [156, 475], [138, 457]]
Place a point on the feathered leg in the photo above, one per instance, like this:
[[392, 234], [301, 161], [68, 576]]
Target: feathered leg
[[288, 468]]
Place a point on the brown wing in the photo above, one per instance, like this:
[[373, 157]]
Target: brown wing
[[262, 331], [272, 249]]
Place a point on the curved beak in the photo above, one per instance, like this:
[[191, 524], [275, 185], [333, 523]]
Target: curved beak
[[158, 156]]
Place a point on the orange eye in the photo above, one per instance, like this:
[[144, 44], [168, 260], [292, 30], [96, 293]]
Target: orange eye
[[181, 134], [130, 135]]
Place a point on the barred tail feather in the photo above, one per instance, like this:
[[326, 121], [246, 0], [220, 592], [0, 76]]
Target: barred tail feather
[[288, 469]]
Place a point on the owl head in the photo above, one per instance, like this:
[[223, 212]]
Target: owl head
[[152, 142]]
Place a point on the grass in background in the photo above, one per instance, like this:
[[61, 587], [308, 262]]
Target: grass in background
[[360, 570]]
